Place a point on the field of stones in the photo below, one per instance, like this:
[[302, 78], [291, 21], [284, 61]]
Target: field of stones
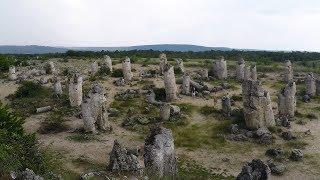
[[178, 119]]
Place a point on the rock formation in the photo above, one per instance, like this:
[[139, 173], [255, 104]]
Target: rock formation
[[163, 62], [122, 160], [165, 111], [203, 73], [240, 68], [226, 105], [287, 100], [107, 62], [12, 73], [126, 69], [75, 90], [185, 84], [288, 72], [159, 154], [94, 68], [51, 68], [253, 73], [257, 107], [180, 65], [255, 170], [57, 88], [247, 73], [170, 83], [310, 85], [318, 87], [220, 68]]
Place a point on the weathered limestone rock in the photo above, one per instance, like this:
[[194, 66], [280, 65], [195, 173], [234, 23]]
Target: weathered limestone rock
[[256, 105], [170, 83], [126, 68], [240, 68], [163, 62], [288, 74], [57, 88], [287, 100], [203, 73], [107, 62], [28, 174], [12, 73], [310, 85], [51, 68], [165, 111], [247, 73], [318, 87], [75, 90], [255, 170], [220, 68], [185, 84], [180, 65], [159, 154], [94, 68], [122, 160], [226, 105], [253, 73], [44, 109]]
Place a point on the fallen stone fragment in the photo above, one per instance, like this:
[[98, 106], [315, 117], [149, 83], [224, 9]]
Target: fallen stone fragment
[[43, 109]]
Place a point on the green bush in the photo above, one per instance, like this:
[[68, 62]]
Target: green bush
[[5, 63], [30, 89], [117, 73], [55, 123]]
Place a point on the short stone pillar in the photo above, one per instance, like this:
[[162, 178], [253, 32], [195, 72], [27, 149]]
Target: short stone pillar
[[57, 88], [203, 73], [107, 62], [170, 83], [94, 68], [247, 73], [159, 154], [226, 105], [51, 68], [220, 68], [75, 90], [163, 62], [180, 65], [257, 107], [287, 100], [165, 111], [126, 69], [185, 84], [310, 85], [253, 73], [12, 73], [288, 72], [240, 68]]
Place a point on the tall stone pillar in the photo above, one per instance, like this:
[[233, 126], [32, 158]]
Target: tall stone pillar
[[107, 62], [57, 88], [75, 90], [186, 84], [94, 68], [170, 83], [288, 72], [159, 154], [240, 68], [310, 85], [253, 72], [287, 100], [180, 65], [12, 73], [226, 105], [126, 69], [220, 68], [163, 62]]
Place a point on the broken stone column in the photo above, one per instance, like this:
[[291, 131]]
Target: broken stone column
[[247, 73], [220, 68], [107, 62], [163, 62], [126, 69], [287, 100], [159, 154], [94, 68], [170, 83], [57, 88], [51, 68], [12, 73], [122, 160], [180, 65], [253, 73], [310, 85], [75, 90], [165, 111], [203, 73], [288, 72], [257, 107], [226, 105], [185, 84], [240, 68]]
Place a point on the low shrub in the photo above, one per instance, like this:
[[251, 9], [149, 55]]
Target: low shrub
[[117, 73]]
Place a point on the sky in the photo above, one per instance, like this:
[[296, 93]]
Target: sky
[[249, 24]]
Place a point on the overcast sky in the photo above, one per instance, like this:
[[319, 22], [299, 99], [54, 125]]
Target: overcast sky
[[255, 24]]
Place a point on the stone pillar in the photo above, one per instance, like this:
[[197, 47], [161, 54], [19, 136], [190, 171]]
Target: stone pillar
[[240, 68], [257, 107], [247, 73], [107, 62], [12, 73], [88, 120], [126, 69], [253, 73], [186, 84], [170, 83], [180, 65], [159, 154], [163, 62], [220, 68], [94, 68], [57, 88], [288, 72], [318, 87], [226, 105], [310, 85], [75, 90], [165, 111], [287, 100], [52, 69]]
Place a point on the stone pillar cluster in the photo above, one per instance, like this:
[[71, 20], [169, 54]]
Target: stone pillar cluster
[[159, 154], [310, 85], [288, 74], [75, 90], [220, 68], [57, 88], [12, 73], [170, 83], [257, 107], [287, 100], [107, 62], [185, 84], [240, 68], [163, 62], [94, 68], [126, 69]]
